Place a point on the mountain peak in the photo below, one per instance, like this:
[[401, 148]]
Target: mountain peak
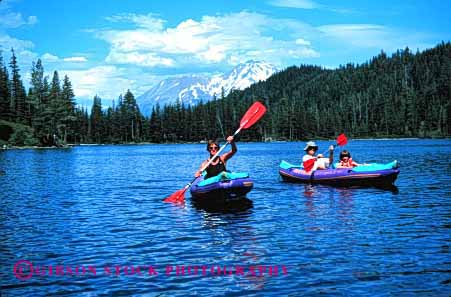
[[191, 89]]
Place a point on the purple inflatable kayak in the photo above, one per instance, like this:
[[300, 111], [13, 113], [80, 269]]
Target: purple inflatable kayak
[[226, 186], [374, 175]]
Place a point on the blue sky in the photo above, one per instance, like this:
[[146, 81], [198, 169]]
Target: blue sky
[[107, 47]]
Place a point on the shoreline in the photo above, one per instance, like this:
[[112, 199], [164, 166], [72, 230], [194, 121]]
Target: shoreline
[[71, 145]]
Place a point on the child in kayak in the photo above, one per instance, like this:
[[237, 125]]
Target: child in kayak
[[218, 164], [346, 160], [312, 163]]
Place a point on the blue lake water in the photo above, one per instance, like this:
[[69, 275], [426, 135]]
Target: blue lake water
[[99, 207]]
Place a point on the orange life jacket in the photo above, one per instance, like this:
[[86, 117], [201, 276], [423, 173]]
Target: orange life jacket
[[349, 164]]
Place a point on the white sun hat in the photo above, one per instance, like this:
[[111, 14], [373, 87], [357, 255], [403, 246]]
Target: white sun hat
[[310, 144]]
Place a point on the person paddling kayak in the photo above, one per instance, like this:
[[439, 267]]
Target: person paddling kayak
[[218, 164], [319, 161]]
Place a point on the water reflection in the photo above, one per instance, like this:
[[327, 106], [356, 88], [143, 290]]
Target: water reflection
[[310, 190], [231, 224], [339, 198], [238, 206], [323, 201]]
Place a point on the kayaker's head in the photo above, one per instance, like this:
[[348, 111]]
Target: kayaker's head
[[345, 155], [212, 147], [311, 148]]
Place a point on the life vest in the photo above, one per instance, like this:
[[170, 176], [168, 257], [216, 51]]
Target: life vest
[[349, 164], [213, 170]]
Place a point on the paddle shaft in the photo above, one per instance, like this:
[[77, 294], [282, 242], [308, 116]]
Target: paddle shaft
[[341, 141], [328, 149]]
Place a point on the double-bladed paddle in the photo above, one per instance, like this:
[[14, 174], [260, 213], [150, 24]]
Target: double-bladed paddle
[[252, 115], [341, 141]]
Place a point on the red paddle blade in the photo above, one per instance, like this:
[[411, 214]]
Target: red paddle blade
[[177, 197], [308, 165], [342, 140], [252, 115]]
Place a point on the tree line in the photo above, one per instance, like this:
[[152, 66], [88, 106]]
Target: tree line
[[405, 95]]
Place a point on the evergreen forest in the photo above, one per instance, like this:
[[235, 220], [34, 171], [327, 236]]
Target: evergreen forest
[[403, 95]]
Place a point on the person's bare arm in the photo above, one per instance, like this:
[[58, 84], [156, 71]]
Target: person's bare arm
[[229, 155]]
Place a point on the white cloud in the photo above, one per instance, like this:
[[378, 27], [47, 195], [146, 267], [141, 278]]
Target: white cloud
[[142, 59], [354, 39], [309, 4], [223, 39], [303, 4], [11, 19], [363, 35], [303, 53], [49, 58], [75, 59], [15, 20], [301, 41], [108, 82], [32, 19], [22, 50], [7, 42], [149, 21], [214, 53]]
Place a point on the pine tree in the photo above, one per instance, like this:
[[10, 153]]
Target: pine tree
[[132, 116], [46, 116], [53, 108], [5, 99], [36, 99], [155, 125], [66, 109], [96, 121], [18, 93]]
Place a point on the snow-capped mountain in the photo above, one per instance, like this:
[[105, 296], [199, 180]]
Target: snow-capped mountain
[[190, 90]]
